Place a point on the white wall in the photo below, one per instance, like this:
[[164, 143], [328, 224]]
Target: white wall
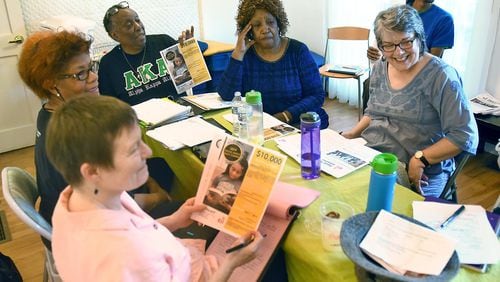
[[159, 16], [218, 20], [307, 21]]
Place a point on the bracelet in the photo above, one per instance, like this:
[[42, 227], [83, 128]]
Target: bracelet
[[287, 120]]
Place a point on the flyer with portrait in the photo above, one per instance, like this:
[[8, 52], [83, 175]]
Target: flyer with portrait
[[186, 65], [236, 185]]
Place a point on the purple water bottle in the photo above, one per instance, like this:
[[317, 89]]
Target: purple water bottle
[[310, 153]]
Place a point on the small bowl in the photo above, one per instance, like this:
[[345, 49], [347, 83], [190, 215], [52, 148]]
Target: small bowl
[[354, 230]]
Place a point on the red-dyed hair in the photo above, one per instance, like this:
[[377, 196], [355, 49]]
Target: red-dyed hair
[[46, 54]]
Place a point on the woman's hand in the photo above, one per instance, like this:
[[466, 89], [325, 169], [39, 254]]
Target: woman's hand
[[186, 34], [284, 116], [416, 175], [239, 257], [243, 43], [182, 217]]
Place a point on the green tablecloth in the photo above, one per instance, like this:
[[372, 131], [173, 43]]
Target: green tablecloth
[[306, 260]]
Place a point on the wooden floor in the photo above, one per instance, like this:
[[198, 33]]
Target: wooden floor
[[479, 183]]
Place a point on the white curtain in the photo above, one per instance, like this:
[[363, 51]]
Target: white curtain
[[472, 19]]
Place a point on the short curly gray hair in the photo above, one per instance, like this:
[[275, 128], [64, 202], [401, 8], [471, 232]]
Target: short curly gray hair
[[402, 18]]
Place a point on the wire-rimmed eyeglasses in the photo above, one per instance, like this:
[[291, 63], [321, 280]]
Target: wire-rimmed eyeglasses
[[81, 75], [115, 8], [404, 44]]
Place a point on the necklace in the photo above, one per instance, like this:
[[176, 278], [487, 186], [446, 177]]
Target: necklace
[[134, 70]]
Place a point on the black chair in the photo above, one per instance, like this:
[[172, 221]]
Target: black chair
[[450, 189]]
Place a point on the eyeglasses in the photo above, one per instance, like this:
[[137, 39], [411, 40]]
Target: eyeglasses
[[405, 44], [82, 75], [115, 8]]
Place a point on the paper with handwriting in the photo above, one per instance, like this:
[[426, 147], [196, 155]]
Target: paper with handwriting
[[477, 242], [407, 246]]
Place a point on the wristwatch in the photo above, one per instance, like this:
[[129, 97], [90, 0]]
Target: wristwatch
[[419, 155]]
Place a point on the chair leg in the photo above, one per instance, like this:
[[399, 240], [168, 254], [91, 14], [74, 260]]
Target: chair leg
[[45, 272], [360, 98]]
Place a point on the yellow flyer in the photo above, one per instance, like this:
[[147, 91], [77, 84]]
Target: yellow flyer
[[236, 185], [186, 65]]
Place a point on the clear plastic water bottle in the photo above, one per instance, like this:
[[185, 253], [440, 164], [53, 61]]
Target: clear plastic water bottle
[[310, 153], [382, 181], [256, 125], [236, 103], [244, 112]]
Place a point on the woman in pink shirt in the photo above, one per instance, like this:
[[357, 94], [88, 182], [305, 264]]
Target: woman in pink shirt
[[99, 231]]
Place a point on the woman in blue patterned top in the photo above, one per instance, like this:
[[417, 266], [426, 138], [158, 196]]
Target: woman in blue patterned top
[[281, 68], [417, 108]]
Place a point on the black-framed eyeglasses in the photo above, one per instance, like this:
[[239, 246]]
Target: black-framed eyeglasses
[[81, 75], [405, 44], [115, 8]]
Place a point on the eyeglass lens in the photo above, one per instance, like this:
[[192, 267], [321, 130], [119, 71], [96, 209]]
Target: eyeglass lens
[[403, 45]]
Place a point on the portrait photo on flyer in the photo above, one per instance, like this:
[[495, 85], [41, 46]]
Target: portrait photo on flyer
[[186, 65], [236, 185]]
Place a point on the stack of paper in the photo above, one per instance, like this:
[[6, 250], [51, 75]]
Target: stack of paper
[[339, 155], [185, 133], [401, 246], [208, 101], [156, 112], [477, 242], [344, 69], [485, 104]]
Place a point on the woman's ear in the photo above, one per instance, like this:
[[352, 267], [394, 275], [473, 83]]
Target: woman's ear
[[89, 172]]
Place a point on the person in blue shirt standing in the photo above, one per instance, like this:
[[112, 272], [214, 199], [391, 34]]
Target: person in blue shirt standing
[[281, 68]]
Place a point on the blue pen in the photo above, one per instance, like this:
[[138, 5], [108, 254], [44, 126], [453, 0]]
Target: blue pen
[[453, 216]]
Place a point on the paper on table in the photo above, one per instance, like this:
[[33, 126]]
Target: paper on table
[[188, 132], [339, 155], [406, 245], [158, 110], [273, 127], [477, 242], [208, 101], [485, 103], [269, 120]]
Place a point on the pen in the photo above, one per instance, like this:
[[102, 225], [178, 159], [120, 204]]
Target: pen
[[240, 246], [453, 216]]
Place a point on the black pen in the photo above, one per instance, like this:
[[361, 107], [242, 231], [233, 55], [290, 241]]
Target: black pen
[[453, 216], [240, 246]]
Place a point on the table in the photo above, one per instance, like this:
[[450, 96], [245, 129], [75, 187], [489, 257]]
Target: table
[[306, 260], [489, 129]]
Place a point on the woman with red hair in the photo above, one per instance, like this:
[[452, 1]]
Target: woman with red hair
[[57, 67]]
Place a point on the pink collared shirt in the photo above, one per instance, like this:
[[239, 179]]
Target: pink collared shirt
[[108, 245]]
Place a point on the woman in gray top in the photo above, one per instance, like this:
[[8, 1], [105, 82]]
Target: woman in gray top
[[417, 109]]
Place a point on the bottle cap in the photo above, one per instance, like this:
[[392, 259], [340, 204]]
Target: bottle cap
[[253, 97], [310, 117], [385, 163]]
